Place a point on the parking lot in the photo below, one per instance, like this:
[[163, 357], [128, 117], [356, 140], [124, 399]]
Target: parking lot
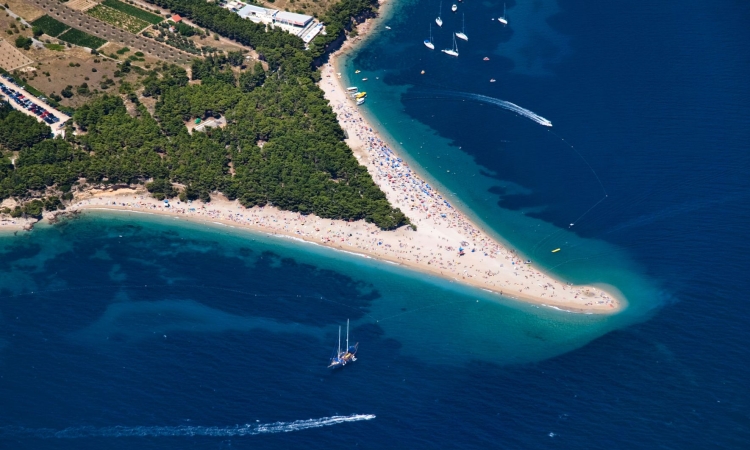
[[23, 101]]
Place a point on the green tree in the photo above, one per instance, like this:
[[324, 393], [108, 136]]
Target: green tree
[[23, 42], [18, 131], [250, 79]]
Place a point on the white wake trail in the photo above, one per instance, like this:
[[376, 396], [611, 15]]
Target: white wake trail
[[182, 430], [497, 102]]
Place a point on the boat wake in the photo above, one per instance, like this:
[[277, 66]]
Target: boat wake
[[497, 102], [182, 430]]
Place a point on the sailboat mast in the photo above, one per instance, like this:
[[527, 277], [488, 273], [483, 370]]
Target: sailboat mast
[[347, 335], [339, 340]]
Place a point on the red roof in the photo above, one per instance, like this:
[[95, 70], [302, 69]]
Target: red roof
[[176, 18]]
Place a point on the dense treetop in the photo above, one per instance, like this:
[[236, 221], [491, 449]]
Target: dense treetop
[[282, 144], [18, 130]]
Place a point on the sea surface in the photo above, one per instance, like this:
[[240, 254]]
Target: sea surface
[[122, 330]]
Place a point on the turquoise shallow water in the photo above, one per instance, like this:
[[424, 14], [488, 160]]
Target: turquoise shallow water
[[143, 332], [412, 112], [406, 305]]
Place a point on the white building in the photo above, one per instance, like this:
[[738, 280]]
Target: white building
[[300, 25], [295, 20], [257, 14]]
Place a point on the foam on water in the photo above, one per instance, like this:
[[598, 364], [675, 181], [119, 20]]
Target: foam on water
[[181, 430], [497, 102]]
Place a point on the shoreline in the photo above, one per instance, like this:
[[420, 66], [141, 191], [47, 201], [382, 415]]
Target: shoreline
[[446, 244], [378, 156], [343, 236]]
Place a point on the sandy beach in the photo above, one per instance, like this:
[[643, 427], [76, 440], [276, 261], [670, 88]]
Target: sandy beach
[[446, 243]]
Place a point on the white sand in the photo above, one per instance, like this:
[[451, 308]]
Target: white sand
[[433, 248]]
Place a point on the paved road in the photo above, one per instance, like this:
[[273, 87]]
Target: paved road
[[86, 23]]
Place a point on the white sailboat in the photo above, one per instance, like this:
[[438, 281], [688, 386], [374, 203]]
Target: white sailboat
[[454, 7], [439, 21], [462, 34], [428, 42], [502, 19], [348, 355], [453, 51]]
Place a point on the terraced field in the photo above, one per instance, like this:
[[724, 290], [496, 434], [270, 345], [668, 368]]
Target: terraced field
[[108, 32], [78, 37], [50, 26], [118, 18], [133, 11]]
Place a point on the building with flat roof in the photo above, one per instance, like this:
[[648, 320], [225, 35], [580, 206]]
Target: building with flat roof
[[292, 19], [300, 25], [257, 13]]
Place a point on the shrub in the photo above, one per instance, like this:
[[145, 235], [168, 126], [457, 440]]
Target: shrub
[[23, 42]]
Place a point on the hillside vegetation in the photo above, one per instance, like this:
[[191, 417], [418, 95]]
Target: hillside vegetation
[[282, 144]]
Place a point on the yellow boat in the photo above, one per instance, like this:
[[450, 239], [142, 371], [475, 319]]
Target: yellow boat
[[555, 250], [361, 95]]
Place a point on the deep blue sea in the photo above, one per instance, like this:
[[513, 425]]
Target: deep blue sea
[[125, 331]]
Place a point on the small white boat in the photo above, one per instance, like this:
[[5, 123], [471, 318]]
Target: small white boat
[[492, 80], [452, 51], [502, 19], [352, 89], [454, 8], [364, 79], [428, 42], [439, 21], [387, 27], [360, 101], [462, 33]]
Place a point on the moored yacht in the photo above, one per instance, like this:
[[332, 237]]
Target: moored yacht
[[462, 34], [453, 51], [502, 19], [428, 42]]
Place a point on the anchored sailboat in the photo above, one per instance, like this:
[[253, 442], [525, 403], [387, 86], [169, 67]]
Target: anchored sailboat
[[502, 19], [462, 34], [349, 355], [439, 21], [453, 51], [428, 42], [454, 7]]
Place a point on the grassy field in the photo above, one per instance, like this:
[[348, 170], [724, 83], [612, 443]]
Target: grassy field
[[55, 47], [133, 11], [118, 18], [78, 37], [50, 26]]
